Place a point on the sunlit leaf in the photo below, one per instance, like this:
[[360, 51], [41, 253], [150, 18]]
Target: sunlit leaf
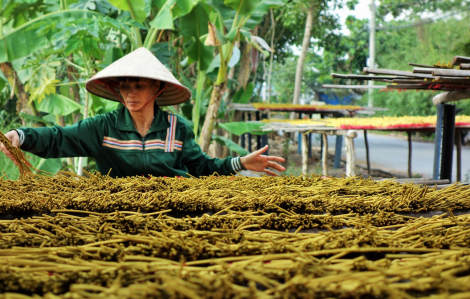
[[57, 104], [164, 18], [230, 144], [24, 40], [240, 128], [135, 7], [35, 119], [243, 7], [232, 62], [112, 54], [183, 7], [243, 96]]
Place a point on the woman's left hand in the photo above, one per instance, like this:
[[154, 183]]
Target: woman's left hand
[[258, 162]]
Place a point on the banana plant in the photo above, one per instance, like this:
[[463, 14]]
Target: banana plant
[[193, 26], [168, 11], [230, 21]]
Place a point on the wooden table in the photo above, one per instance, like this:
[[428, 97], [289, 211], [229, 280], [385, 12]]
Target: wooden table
[[304, 130]]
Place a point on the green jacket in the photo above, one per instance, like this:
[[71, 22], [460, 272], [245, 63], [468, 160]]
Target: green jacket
[[168, 149]]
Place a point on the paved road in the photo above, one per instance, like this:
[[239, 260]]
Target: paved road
[[391, 154]]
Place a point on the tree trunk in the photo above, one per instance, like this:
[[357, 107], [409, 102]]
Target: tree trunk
[[221, 151], [303, 54], [242, 79], [244, 71], [300, 62], [74, 93], [211, 116], [18, 88]]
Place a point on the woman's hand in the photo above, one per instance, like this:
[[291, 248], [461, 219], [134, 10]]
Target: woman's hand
[[13, 137], [257, 162]]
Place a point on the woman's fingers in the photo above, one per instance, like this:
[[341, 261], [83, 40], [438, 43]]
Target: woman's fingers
[[262, 150], [276, 166], [13, 137], [275, 158]]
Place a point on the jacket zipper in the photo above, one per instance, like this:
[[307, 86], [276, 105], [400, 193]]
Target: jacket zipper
[[144, 159]]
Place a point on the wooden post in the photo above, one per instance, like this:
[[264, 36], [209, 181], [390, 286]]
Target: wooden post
[[310, 143], [447, 146], [250, 147], [410, 174], [258, 137], [367, 151], [299, 138], [324, 156], [243, 136], [304, 154], [437, 142], [338, 149], [458, 147], [350, 153]]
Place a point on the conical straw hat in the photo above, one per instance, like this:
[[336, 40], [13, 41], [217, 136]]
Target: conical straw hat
[[143, 64]]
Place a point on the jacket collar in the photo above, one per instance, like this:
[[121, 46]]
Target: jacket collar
[[124, 120]]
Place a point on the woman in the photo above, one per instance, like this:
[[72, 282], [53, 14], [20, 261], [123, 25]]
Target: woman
[[139, 138]]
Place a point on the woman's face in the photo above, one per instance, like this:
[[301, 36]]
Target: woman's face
[[138, 95]]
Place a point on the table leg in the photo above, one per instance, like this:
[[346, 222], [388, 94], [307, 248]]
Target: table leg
[[324, 157]]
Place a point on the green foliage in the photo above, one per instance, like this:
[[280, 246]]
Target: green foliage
[[240, 128], [397, 8], [27, 39], [230, 144], [8, 168], [414, 103], [58, 104], [396, 46], [135, 7], [55, 48], [424, 44], [243, 95]]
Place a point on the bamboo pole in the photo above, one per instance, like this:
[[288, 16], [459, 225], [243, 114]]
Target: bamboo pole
[[325, 154], [458, 147], [453, 79], [304, 154], [367, 151], [451, 73], [465, 66], [409, 154], [407, 86], [355, 86], [363, 77], [451, 96], [395, 72], [424, 70], [421, 65], [350, 154], [460, 59]]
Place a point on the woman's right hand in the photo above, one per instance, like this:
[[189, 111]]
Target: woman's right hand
[[14, 138]]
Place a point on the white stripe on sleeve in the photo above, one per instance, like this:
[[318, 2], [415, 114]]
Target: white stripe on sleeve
[[21, 135], [235, 166]]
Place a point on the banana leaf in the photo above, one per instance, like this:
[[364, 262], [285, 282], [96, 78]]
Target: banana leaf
[[243, 96], [35, 119], [24, 40], [239, 128], [135, 7], [169, 10], [50, 165], [230, 144], [57, 104]]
